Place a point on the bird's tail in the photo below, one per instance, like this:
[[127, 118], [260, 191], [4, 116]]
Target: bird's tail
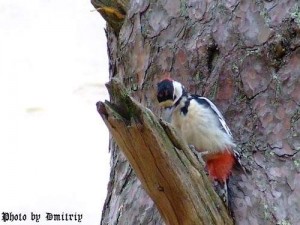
[[224, 193], [222, 190]]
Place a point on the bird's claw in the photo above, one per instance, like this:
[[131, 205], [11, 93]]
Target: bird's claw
[[198, 154]]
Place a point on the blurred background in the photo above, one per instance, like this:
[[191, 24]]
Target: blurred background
[[54, 145]]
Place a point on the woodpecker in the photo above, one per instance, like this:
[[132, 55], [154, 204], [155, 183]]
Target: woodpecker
[[201, 125]]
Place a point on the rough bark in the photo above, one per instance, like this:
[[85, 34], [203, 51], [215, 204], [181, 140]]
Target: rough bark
[[245, 56]]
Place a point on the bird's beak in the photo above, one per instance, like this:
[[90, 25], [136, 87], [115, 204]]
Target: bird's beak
[[166, 104]]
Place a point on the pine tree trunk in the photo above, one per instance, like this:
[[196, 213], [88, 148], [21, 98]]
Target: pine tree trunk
[[243, 55]]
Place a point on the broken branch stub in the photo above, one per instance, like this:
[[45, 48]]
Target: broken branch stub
[[113, 11], [167, 169]]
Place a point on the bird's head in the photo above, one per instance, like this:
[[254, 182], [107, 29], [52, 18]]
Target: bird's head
[[169, 92]]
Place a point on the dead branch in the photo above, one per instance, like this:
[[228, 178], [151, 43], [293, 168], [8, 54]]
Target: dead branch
[[166, 167]]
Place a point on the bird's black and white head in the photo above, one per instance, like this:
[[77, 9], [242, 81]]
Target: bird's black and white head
[[169, 92]]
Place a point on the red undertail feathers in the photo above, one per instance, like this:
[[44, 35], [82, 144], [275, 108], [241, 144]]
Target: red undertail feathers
[[219, 166]]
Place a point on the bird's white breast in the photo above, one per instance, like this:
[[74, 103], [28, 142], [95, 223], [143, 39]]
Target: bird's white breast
[[200, 127]]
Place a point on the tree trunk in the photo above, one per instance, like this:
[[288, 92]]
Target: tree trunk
[[243, 55]]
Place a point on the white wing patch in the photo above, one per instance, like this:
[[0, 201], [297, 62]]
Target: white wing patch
[[220, 116], [226, 128]]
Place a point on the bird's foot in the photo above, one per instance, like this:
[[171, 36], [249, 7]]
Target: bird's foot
[[198, 154]]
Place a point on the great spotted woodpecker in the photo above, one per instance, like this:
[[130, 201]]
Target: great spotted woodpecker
[[201, 125]]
